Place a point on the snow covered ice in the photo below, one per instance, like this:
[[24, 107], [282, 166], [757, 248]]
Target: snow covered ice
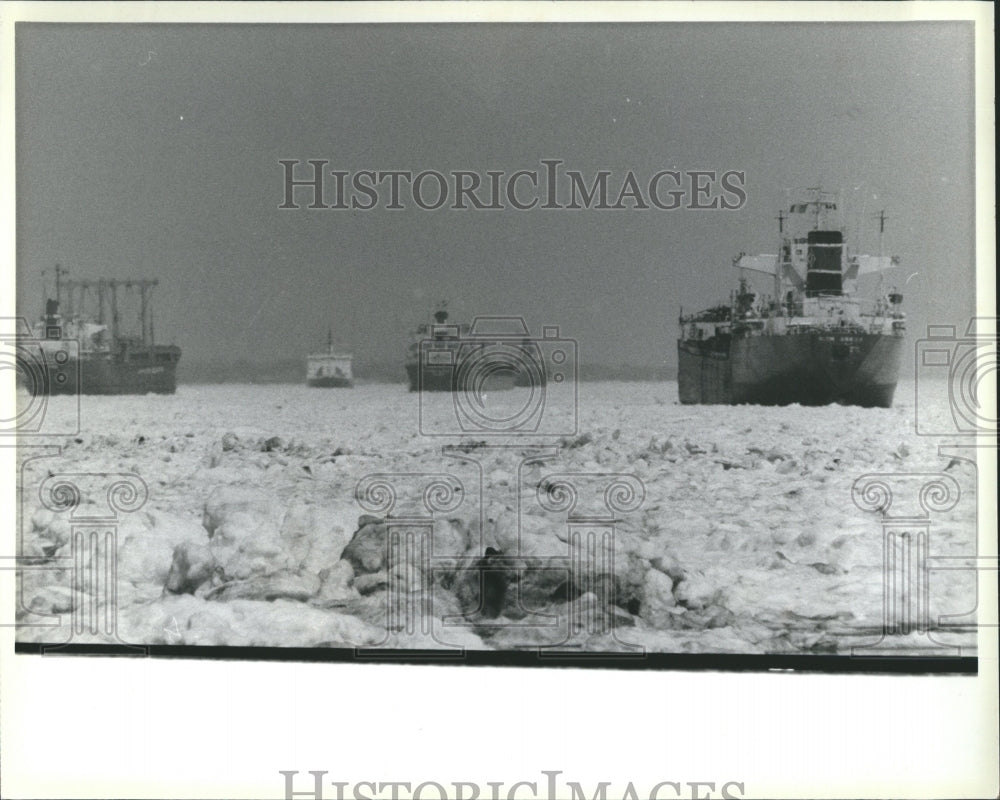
[[262, 525]]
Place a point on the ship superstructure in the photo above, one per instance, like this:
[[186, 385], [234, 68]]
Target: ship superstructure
[[330, 369], [85, 332], [494, 352], [813, 341]]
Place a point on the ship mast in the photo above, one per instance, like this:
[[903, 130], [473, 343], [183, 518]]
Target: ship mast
[[114, 310], [881, 273], [100, 302], [59, 273], [144, 312], [817, 196], [779, 270], [107, 301]]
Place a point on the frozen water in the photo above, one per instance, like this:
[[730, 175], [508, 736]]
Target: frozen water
[[745, 540]]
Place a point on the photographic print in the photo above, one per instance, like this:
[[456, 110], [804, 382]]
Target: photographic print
[[613, 345], [498, 338]]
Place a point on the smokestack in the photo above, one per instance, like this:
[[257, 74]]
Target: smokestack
[[824, 273]]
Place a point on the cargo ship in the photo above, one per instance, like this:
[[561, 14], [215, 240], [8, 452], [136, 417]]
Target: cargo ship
[[491, 354], [329, 369], [814, 341], [89, 343]]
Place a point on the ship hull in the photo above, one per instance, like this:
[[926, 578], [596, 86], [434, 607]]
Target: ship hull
[[329, 371], [149, 371], [330, 382], [431, 380], [434, 379], [811, 369]]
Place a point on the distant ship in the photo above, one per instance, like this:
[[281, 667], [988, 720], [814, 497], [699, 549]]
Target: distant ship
[[330, 369], [89, 348], [813, 342], [493, 353]]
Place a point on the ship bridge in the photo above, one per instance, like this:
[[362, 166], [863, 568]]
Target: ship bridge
[[813, 259]]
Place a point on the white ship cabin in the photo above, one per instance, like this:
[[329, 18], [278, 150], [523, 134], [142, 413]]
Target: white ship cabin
[[52, 329], [321, 366]]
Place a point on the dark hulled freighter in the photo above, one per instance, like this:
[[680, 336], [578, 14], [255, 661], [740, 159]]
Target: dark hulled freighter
[[88, 346], [494, 353], [813, 342]]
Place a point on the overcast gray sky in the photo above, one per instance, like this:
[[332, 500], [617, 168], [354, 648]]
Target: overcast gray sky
[[153, 151]]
